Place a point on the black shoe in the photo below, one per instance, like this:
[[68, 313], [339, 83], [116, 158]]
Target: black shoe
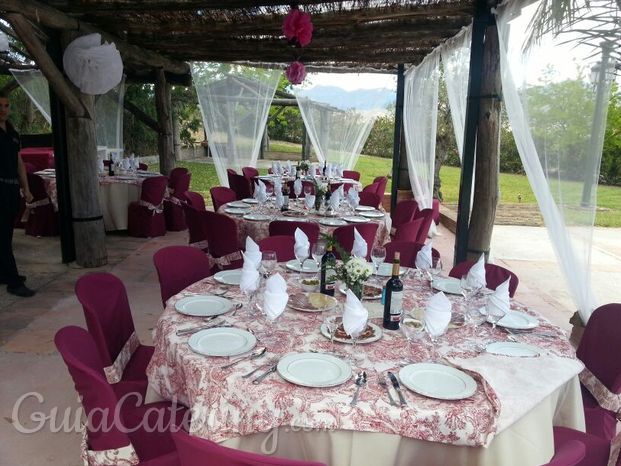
[[4, 281], [21, 290]]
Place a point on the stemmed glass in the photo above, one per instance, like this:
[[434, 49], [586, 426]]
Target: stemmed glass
[[301, 256], [434, 336], [307, 190], [468, 291], [317, 251], [494, 314], [412, 329], [268, 263], [378, 255], [331, 321], [297, 190]]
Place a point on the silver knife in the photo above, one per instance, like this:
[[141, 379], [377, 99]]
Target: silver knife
[[395, 384], [190, 331], [258, 380]]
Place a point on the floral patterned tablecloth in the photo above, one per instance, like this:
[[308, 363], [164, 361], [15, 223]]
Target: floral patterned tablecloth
[[225, 405]]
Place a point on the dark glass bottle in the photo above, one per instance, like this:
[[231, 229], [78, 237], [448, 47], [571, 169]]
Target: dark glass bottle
[[327, 276], [111, 167], [325, 167], [393, 297]]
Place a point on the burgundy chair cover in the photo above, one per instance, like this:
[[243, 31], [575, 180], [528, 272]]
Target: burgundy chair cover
[[173, 207], [196, 227], [494, 275], [174, 173], [109, 320], [371, 188], [404, 212], [250, 172], [143, 166], [599, 341], [436, 211], [42, 220], [281, 244], [30, 167], [178, 267], [241, 185], [351, 174], [408, 251], [346, 187], [222, 237], [99, 401], [304, 185], [345, 236], [195, 451], [427, 216], [142, 221], [369, 199], [221, 195], [408, 231], [570, 453], [196, 200], [596, 449], [282, 227], [380, 189], [230, 171]]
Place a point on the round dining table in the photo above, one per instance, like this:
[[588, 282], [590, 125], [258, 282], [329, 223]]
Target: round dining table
[[507, 419]]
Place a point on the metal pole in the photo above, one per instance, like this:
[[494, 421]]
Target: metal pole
[[396, 148], [480, 23]]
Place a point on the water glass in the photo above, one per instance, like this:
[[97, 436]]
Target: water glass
[[378, 255], [301, 256], [268, 262], [494, 314], [331, 322], [412, 329], [307, 190], [317, 251]]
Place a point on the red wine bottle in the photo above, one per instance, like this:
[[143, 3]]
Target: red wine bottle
[[327, 276], [393, 297]]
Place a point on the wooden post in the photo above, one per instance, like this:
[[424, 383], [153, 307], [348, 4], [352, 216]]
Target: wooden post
[[306, 145], [487, 151], [400, 187], [176, 137], [164, 118]]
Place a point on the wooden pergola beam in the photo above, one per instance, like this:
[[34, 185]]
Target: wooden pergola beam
[[142, 116]]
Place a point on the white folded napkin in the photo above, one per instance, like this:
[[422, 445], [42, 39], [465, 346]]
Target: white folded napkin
[[253, 253], [262, 196], [255, 194], [297, 187], [280, 199], [335, 200], [275, 297], [499, 301], [437, 314], [278, 170], [476, 274], [249, 280], [341, 191], [355, 315], [274, 169], [125, 164], [289, 167], [424, 260], [309, 201], [302, 245], [353, 198], [339, 170], [278, 185], [360, 247]]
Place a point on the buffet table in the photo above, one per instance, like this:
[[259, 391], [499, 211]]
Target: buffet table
[[508, 420]]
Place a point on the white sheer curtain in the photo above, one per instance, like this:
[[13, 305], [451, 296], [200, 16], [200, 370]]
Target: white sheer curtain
[[109, 118], [35, 86], [558, 113], [339, 117], [420, 117], [234, 102], [456, 64]]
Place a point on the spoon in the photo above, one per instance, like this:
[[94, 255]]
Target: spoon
[[255, 354], [361, 379], [237, 306]]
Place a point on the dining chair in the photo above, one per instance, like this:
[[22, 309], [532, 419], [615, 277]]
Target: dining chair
[[175, 172], [222, 239], [408, 251], [221, 195], [195, 451], [599, 341], [435, 206], [197, 229], [371, 188], [119, 432], [230, 171], [173, 204], [346, 187], [241, 185], [570, 453], [408, 231], [404, 212], [196, 200], [369, 199], [427, 216], [109, 320], [283, 227], [281, 244], [145, 218], [380, 189], [351, 174], [143, 166], [494, 275], [596, 450], [250, 172], [269, 186], [178, 267], [41, 220], [345, 236]]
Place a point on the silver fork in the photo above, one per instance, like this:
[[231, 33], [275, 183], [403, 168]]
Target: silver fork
[[382, 383]]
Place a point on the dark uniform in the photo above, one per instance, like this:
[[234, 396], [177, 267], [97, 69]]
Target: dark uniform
[[9, 203]]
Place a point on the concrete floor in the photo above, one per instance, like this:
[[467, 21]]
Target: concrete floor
[[28, 359]]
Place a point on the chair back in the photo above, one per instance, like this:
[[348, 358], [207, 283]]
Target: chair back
[[408, 251], [570, 453], [37, 187], [196, 200], [221, 195], [195, 451], [282, 227], [408, 231], [178, 267], [79, 351], [180, 185], [196, 224], [380, 189], [107, 313], [371, 188], [143, 166], [175, 173], [153, 190], [221, 233], [304, 185], [600, 342], [351, 174], [230, 171], [404, 212], [369, 199], [494, 275], [30, 167], [241, 185], [346, 187], [345, 236], [281, 244], [427, 216], [250, 172], [269, 186]]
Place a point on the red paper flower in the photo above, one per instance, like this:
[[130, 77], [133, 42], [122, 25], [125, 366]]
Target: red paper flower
[[296, 72], [298, 28]]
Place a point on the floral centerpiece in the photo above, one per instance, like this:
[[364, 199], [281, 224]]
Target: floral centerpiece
[[321, 191], [353, 271], [304, 166]]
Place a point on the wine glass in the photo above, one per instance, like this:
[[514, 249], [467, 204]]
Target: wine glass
[[413, 329], [268, 262], [317, 251], [297, 190], [307, 190], [301, 254], [494, 314], [332, 323], [436, 270], [378, 255], [434, 334]]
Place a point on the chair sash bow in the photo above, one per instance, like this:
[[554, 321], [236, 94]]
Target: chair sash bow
[[124, 456], [114, 373], [155, 209], [30, 206], [202, 245], [225, 260]]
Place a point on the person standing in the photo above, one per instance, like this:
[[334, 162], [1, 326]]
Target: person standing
[[12, 178]]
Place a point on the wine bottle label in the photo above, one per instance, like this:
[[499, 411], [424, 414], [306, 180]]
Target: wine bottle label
[[396, 305], [330, 279]]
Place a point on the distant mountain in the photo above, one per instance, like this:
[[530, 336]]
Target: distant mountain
[[364, 99]]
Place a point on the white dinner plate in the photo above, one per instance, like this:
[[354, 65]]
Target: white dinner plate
[[250, 200], [228, 277], [203, 305], [257, 217], [356, 219], [310, 266], [365, 208], [372, 214], [377, 334], [332, 222], [238, 204], [438, 381], [518, 321], [449, 285], [291, 219], [235, 211], [385, 270], [378, 295], [510, 348], [222, 341], [315, 370]]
